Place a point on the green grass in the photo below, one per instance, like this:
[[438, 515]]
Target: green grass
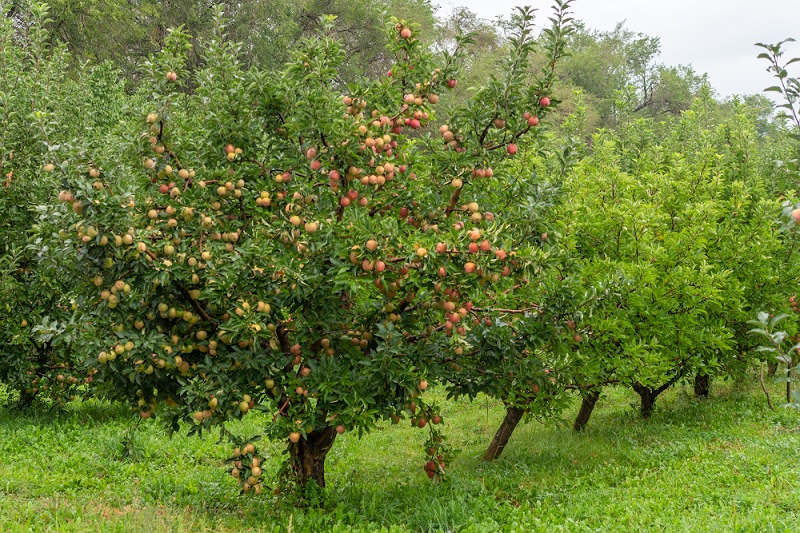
[[723, 464]]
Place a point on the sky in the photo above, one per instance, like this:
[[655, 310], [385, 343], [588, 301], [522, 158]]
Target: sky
[[716, 37]]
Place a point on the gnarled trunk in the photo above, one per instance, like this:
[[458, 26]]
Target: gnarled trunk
[[308, 456], [587, 406], [513, 416], [702, 385]]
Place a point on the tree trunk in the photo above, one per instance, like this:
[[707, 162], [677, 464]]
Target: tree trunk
[[648, 397], [702, 385], [25, 399], [308, 456], [513, 416], [587, 406]]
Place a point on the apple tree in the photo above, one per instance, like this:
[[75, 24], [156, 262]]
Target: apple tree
[[680, 230], [45, 104], [275, 241]]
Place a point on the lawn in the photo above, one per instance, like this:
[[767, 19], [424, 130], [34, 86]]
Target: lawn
[[723, 464]]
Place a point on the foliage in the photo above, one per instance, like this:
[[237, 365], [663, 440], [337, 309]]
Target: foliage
[[767, 325], [621, 78], [681, 232], [44, 110], [767, 329], [127, 32]]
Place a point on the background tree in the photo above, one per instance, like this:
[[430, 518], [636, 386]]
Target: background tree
[[44, 106], [127, 32], [682, 229]]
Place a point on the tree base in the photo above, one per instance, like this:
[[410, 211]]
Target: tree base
[[587, 406], [503, 434], [702, 385], [308, 455], [648, 398]]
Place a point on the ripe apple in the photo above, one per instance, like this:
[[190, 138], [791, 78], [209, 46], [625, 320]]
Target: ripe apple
[[512, 149], [544, 102], [796, 216], [451, 83], [172, 76]]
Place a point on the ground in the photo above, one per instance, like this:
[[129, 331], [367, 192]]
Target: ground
[[723, 464]]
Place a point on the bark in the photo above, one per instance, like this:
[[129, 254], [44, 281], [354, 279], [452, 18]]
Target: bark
[[587, 406], [308, 456], [702, 385], [648, 397], [504, 432]]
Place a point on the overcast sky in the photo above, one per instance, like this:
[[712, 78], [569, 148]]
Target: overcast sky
[[714, 36]]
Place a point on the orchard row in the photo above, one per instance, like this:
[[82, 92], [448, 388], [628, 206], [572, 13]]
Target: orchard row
[[243, 240]]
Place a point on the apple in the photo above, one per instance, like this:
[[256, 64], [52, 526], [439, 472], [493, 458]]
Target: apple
[[544, 102], [172, 76], [405, 33], [796, 216], [512, 149], [451, 83]]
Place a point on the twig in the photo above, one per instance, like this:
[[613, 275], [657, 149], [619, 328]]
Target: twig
[[764, 388]]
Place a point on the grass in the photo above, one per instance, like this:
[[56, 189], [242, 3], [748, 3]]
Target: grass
[[723, 464]]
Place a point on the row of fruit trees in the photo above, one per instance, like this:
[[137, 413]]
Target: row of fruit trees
[[228, 239]]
